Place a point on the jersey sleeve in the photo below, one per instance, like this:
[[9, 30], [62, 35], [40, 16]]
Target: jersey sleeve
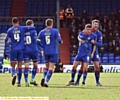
[[35, 34], [39, 35], [58, 37], [8, 36], [81, 37], [99, 40]]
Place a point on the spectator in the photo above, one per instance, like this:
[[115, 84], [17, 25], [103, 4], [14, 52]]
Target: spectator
[[73, 40], [97, 16], [110, 29], [59, 66], [114, 44], [61, 14], [104, 21], [110, 48], [116, 26], [72, 26], [110, 38], [69, 13], [84, 22], [73, 32], [80, 27], [74, 49], [6, 61], [84, 15], [105, 40], [79, 20], [118, 15], [102, 50], [112, 16], [116, 37], [117, 51]]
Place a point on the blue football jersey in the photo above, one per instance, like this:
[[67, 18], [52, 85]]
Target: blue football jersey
[[99, 40], [30, 41], [16, 36], [85, 49], [48, 37]]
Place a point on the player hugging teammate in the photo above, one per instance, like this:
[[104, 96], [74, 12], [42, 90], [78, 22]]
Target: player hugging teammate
[[85, 53]]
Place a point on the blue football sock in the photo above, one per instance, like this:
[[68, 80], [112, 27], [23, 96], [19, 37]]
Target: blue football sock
[[73, 75], [97, 75], [19, 75], [84, 76], [26, 75], [34, 71], [49, 74], [45, 72], [13, 71], [79, 75]]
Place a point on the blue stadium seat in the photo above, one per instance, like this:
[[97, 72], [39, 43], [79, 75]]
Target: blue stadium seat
[[111, 60], [111, 54], [105, 60]]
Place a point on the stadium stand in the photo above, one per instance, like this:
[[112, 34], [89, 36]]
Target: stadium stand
[[107, 12]]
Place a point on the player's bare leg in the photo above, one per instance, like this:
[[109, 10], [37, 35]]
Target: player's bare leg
[[97, 73], [34, 71], [19, 73], [73, 72], [84, 64], [13, 63], [45, 71], [49, 74], [26, 73]]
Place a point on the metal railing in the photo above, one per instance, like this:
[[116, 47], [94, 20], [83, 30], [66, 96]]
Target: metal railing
[[38, 19]]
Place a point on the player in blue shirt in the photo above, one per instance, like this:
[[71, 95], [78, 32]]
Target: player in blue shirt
[[84, 53], [16, 37], [30, 53], [95, 59], [48, 37]]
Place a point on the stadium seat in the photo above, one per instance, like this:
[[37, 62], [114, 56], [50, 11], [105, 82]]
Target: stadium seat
[[105, 60], [111, 54]]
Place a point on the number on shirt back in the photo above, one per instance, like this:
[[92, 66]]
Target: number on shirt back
[[28, 40], [47, 38], [17, 37]]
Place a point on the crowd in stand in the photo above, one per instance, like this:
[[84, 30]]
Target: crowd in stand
[[109, 26]]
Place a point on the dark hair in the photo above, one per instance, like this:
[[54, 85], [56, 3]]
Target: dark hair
[[29, 22], [95, 20], [88, 26], [49, 22], [15, 20]]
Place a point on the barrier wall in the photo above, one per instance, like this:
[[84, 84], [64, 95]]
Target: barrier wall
[[66, 68]]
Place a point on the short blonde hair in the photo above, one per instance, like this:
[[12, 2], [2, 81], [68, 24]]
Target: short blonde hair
[[95, 20]]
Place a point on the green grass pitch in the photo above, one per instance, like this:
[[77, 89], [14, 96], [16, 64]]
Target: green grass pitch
[[58, 90]]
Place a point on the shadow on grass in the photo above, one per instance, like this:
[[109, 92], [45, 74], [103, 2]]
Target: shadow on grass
[[83, 87]]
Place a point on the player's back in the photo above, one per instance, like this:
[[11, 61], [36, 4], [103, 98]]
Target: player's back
[[16, 35], [49, 37], [30, 41]]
